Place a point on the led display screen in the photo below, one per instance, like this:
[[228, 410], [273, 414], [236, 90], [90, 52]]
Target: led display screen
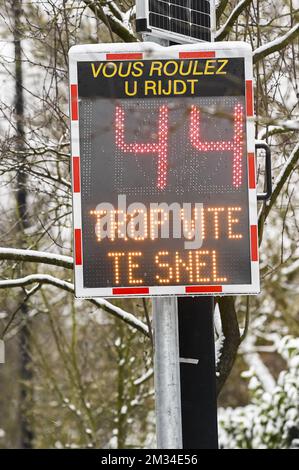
[[164, 173]]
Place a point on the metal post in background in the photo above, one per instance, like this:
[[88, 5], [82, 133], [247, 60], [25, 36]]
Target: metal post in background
[[197, 372], [167, 373]]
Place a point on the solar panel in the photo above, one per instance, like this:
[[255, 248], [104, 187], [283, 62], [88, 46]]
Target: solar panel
[[176, 20]]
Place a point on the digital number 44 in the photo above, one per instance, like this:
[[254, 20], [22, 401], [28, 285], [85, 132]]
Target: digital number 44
[[160, 145]]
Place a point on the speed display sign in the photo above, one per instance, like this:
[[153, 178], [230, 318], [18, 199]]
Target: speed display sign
[[163, 170]]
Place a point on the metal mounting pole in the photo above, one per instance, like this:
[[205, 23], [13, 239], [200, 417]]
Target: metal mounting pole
[[167, 373]]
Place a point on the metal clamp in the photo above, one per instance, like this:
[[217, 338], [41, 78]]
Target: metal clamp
[[266, 195]]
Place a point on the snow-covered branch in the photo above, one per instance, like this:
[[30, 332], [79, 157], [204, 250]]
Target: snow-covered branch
[[115, 25], [220, 7], [292, 269], [254, 361], [41, 279], [226, 28], [118, 312], [36, 278], [276, 45], [146, 376], [36, 257], [230, 339], [288, 125]]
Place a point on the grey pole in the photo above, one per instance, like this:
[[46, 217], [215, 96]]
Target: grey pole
[[167, 373]]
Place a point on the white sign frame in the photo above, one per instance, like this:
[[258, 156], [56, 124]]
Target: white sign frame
[[122, 51]]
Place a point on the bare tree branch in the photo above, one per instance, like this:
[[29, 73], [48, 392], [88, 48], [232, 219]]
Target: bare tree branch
[[275, 130], [220, 9], [40, 279], [114, 24], [231, 333], [247, 320], [36, 257], [276, 45], [226, 28]]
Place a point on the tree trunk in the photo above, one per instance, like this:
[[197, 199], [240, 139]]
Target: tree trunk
[[26, 433]]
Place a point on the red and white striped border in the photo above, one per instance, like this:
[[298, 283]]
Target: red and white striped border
[[144, 51]]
